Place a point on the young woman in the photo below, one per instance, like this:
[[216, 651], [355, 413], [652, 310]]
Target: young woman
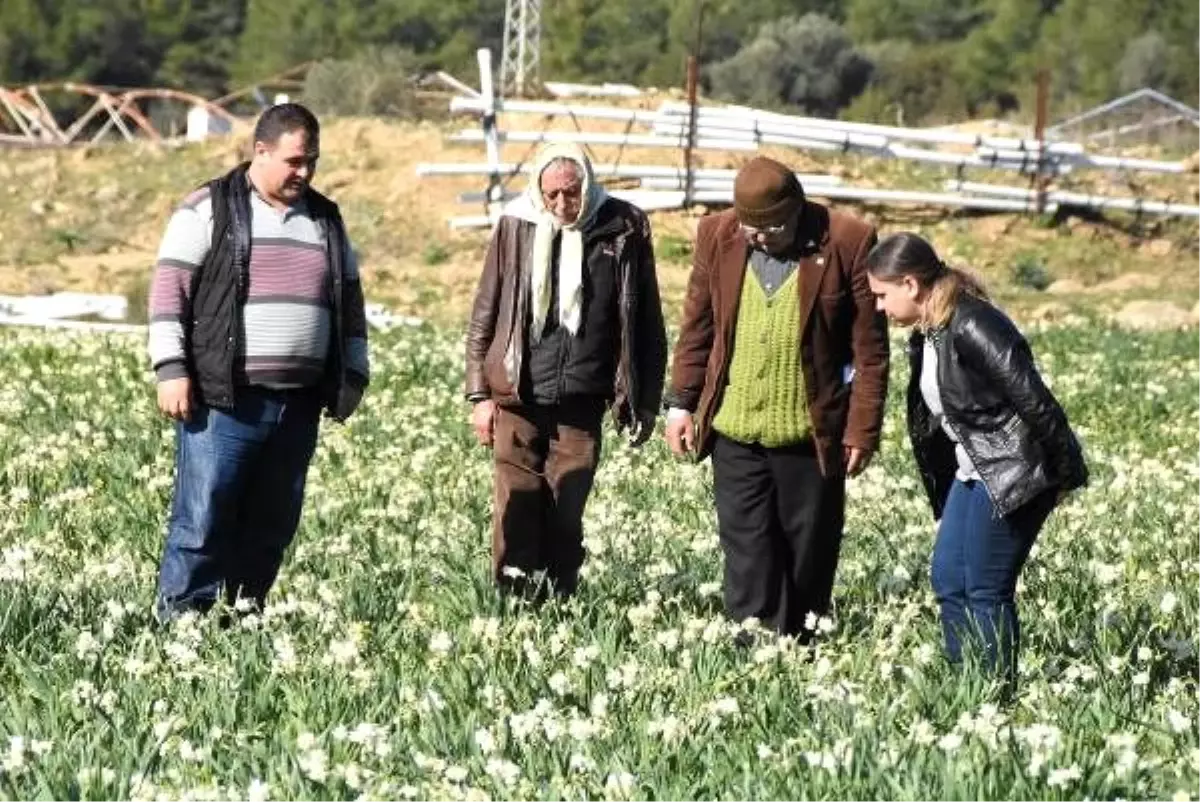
[[993, 446]]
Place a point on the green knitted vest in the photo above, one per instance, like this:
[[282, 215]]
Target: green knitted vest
[[764, 399]]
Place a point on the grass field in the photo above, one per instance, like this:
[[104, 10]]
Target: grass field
[[385, 668]]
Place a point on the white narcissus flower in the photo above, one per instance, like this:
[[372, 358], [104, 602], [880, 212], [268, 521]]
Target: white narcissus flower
[[1061, 778], [620, 783], [503, 771], [441, 642], [485, 741], [950, 742], [314, 764], [1168, 603], [258, 791], [1179, 723]]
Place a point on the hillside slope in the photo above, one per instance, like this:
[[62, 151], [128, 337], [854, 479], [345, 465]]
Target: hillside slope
[[90, 220]]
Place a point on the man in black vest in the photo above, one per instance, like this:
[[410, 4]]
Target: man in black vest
[[256, 325]]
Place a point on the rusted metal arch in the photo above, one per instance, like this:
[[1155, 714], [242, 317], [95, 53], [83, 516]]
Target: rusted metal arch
[[31, 114], [276, 79]]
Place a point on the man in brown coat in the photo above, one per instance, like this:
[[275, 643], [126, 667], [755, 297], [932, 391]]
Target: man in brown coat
[[780, 373], [567, 320]]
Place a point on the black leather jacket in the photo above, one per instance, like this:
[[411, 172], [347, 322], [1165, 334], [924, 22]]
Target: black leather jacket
[[1011, 426]]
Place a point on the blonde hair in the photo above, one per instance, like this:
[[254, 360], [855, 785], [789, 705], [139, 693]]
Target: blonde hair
[[945, 291], [909, 255]]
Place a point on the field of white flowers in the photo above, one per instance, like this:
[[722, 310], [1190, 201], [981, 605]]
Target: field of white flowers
[[385, 668]]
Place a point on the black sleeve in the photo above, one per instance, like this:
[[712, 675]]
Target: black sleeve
[[991, 344]]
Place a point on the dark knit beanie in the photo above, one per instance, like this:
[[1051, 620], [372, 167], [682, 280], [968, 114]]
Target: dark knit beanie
[[766, 193]]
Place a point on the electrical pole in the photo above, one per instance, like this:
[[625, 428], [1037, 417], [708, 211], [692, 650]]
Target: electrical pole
[[520, 63]]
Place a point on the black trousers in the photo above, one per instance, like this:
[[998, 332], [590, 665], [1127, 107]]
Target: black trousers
[[780, 524]]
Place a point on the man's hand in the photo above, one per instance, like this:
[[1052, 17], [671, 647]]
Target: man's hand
[[855, 459], [175, 398], [642, 427], [483, 421], [348, 400], [681, 433]]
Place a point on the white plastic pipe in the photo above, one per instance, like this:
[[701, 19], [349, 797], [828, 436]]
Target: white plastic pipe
[[600, 170], [673, 183], [508, 106], [75, 325], [585, 138], [736, 118], [650, 200], [887, 150], [727, 183], [930, 135], [1078, 199]]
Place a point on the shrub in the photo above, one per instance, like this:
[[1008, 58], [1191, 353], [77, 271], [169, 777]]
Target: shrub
[[673, 249], [435, 253], [377, 82], [806, 61], [1030, 272]]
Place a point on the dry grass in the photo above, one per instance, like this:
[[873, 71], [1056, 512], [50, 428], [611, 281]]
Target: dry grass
[[90, 220]]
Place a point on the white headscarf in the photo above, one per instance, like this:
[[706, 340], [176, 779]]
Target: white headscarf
[[530, 206]]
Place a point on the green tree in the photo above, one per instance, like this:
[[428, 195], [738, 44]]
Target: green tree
[[597, 40], [279, 36], [198, 58], [913, 20], [26, 28], [1146, 62], [994, 60], [377, 81], [1076, 40], [808, 62], [909, 85]]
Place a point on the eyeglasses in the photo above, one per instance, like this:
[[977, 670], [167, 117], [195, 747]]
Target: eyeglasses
[[766, 231]]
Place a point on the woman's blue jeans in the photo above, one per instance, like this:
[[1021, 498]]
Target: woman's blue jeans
[[976, 561]]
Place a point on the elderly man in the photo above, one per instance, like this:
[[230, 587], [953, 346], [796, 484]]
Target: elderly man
[[566, 321], [256, 324], [780, 373]]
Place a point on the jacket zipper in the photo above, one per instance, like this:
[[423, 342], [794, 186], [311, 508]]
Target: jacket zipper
[[335, 262], [564, 349], [515, 321], [626, 341], [996, 509], [243, 282]]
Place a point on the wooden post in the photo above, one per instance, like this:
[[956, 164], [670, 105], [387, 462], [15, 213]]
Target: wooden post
[[1040, 179], [689, 180], [693, 76]]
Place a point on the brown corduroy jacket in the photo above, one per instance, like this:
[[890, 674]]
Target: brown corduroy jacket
[[843, 340]]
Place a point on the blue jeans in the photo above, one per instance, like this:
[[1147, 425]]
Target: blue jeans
[[239, 487], [976, 561]]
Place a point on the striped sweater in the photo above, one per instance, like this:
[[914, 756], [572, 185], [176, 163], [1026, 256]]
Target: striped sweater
[[287, 317]]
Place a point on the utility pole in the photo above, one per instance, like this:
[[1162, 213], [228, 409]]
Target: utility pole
[[521, 60], [693, 77], [1043, 100]]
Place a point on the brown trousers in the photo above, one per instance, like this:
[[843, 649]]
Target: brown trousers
[[545, 462]]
